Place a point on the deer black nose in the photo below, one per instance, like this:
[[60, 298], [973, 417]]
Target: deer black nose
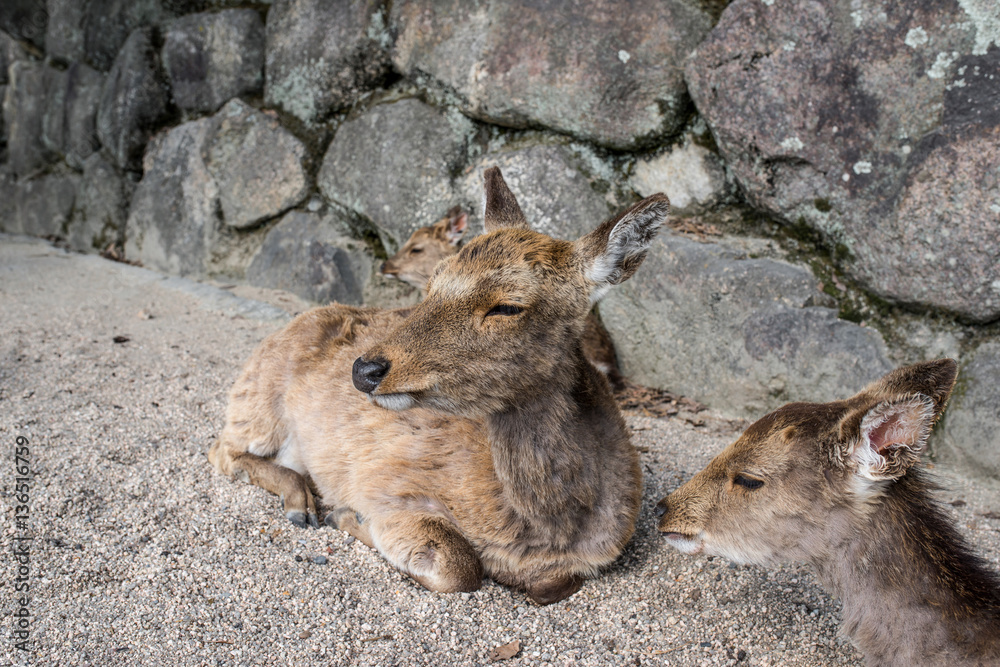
[[368, 374], [661, 507]]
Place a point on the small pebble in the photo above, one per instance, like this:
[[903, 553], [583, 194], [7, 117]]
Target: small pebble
[[319, 560]]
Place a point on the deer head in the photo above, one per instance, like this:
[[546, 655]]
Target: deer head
[[415, 261], [503, 318], [801, 475]]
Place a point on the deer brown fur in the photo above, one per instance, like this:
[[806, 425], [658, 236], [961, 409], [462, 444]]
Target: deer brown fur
[[840, 486], [416, 259], [475, 438]]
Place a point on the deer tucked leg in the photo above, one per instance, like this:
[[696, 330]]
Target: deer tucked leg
[[352, 523], [294, 489], [430, 549]]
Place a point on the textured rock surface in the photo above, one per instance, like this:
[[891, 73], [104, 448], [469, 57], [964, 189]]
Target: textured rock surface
[[837, 115], [211, 58], [970, 434], [593, 69], [409, 151], [308, 255], [42, 206], [692, 176], [134, 101], [256, 163], [101, 208], [24, 19], [174, 214], [551, 183], [322, 55], [69, 126], [742, 335], [10, 52], [24, 103]]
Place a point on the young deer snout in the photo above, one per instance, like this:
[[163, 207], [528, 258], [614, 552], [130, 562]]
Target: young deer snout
[[367, 375]]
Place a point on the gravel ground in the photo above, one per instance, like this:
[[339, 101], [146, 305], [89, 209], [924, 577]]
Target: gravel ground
[[142, 554]]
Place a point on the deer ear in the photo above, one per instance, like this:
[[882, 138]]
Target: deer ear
[[891, 437], [612, 252], [457, 224], [501, 208]]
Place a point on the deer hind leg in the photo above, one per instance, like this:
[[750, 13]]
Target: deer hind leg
[[352, 523], [430, 549], [293, 488]]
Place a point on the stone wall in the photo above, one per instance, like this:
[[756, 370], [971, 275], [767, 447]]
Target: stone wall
[[834, 169]]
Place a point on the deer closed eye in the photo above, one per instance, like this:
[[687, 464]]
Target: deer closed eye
[[748, 482], [505, 309], [414, 251]]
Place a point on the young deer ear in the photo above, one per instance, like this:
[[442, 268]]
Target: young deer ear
[[457, 224], [612, 252], [890, 437], [501, 208], [933, 379]]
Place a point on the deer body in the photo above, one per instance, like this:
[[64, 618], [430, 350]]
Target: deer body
[[468, 435], [839, 485]]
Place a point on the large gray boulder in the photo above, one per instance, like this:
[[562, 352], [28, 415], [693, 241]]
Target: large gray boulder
[[212, 58], [597, 70], [409, 152], [692, 176], [101, 209], [970, 433], [553, 183], [257, 164], [308, 254], [24, 104], [321, 56], [69, 121], [741, 335], [134, 101], [43, 205], [24, 19], [877, 125], [173, 220]]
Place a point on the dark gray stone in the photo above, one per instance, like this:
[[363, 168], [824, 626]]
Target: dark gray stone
[[133, 102], [43, 205], [257, 164], [24, 19], [968, 435], [108, 24], [10, 52], [596, 69], [24, 105], [877, 125], [69, 121], [553, 184], [64, 36], [741, 335], [102, 203], [212, 58], [173, 219], [321, 56], [394, 165], [306, 254]]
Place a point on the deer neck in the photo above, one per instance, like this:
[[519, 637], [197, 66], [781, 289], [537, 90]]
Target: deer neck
[[908, 582], [549, 450]]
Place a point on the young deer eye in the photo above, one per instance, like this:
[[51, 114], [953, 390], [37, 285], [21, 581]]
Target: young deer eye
[[505, 309], [414, 251], [748, 482]]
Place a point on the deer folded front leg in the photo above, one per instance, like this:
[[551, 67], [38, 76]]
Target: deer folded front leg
[[429, 549], [300, 507]]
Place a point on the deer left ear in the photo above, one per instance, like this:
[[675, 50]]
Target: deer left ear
[[890, 437], [457, 224], [500, 208], [612, 252]]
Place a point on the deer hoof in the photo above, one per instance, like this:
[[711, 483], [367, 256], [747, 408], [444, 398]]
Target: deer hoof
[[302, 519]]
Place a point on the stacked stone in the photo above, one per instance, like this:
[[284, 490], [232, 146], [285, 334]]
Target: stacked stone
[[294, 143]]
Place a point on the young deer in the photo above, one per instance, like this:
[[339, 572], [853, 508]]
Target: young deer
[[476, 439], [840, 486], [415, 262]]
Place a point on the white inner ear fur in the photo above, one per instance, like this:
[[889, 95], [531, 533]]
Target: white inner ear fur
[[909, 424], [629, 237]]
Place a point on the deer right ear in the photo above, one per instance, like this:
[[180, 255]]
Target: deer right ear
[[612, 252], [501, 208], [890, 437], [457, 224]]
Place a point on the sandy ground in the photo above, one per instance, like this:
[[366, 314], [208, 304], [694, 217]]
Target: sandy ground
[[141, 554]]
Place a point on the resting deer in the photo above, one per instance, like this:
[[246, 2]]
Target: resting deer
[[475, 439], [840, 486], [415, 262]]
